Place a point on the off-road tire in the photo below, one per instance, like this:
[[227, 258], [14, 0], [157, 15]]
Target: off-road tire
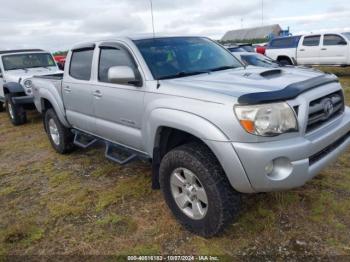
[[18, 115], [66, 137], [224, 202], [2, 108]]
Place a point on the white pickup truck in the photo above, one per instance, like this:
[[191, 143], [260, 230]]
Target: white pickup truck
[[313, 49]]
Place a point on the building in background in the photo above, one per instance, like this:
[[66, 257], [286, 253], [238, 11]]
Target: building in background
[[255, 34]]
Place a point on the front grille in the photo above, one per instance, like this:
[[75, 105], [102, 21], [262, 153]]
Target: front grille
[[321, 154], [324, 109]]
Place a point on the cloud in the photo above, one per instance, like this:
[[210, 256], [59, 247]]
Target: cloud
[[56, 25], [330, 16], [113, 23]]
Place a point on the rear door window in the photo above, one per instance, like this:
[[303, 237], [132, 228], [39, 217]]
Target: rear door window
[[81, 64], [312, 40], [333, 40]]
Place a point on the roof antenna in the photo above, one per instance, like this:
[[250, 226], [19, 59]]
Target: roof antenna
[[154, 33]]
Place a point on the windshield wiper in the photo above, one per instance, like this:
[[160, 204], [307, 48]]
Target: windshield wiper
[[222, 68], [183, 74]]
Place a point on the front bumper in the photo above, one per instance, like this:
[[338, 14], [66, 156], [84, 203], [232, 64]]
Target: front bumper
[[280, 165], [23, 100]]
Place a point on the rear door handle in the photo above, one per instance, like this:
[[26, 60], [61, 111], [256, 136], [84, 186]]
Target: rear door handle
[[97, 93], [67, 89]]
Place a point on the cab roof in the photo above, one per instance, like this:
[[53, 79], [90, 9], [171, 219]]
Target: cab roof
[[19, 51], [91, 44]]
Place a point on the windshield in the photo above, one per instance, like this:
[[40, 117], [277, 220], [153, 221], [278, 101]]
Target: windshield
[[347, 35], [174, 57], [23, 61], [258, 60]]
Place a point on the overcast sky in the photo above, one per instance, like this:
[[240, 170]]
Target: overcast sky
[[56, 25]]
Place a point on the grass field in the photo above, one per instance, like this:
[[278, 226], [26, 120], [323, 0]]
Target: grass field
[[84, 204]]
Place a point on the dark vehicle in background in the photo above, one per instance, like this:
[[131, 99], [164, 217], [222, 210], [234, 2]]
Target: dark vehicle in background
[[241, 48], [255, 59]]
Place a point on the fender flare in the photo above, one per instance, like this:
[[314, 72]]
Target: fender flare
[[13, 88], [207, 132], [57, 105], [181, 120]]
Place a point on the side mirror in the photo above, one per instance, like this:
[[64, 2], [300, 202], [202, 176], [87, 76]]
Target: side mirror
[[343, 43], [123, 75]]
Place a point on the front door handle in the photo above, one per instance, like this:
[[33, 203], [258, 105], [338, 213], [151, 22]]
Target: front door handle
[[67, 89], [97, 93], [323, 49], [301, 50]]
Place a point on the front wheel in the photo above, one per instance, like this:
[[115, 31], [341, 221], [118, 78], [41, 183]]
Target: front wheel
[[61, 138], [16, 114], [197, 191]]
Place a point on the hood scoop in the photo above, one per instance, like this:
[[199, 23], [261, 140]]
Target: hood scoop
[[267, 74], [271, 73]]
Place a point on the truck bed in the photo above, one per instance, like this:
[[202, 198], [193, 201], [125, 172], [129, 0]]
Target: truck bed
[[57, 76]]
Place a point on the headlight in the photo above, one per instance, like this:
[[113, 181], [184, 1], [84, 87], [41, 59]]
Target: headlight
[[28, 84], [267, 119]]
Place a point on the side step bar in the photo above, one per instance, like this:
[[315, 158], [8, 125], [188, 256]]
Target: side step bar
[[119, 154], [83, 140], [115, 152]]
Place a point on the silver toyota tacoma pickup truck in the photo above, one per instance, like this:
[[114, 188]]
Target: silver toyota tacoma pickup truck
[[16, 67], [212, 128]]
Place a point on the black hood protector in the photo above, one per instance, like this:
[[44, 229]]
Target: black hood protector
[[289, 92]]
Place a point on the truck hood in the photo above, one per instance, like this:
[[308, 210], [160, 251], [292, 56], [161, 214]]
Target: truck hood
[[238, 82], [21, 74]]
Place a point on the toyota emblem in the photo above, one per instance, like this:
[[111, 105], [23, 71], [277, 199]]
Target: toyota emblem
[[328, 108]]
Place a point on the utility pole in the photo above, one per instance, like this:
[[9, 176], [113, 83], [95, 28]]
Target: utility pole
[[242, 23]]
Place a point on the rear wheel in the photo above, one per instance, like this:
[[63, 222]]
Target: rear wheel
[[285, 61], [197, 191], [61, 138], [16, 113]]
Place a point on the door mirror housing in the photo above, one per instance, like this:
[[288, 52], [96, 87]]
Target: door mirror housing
[[343, 42], [123, 75]]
